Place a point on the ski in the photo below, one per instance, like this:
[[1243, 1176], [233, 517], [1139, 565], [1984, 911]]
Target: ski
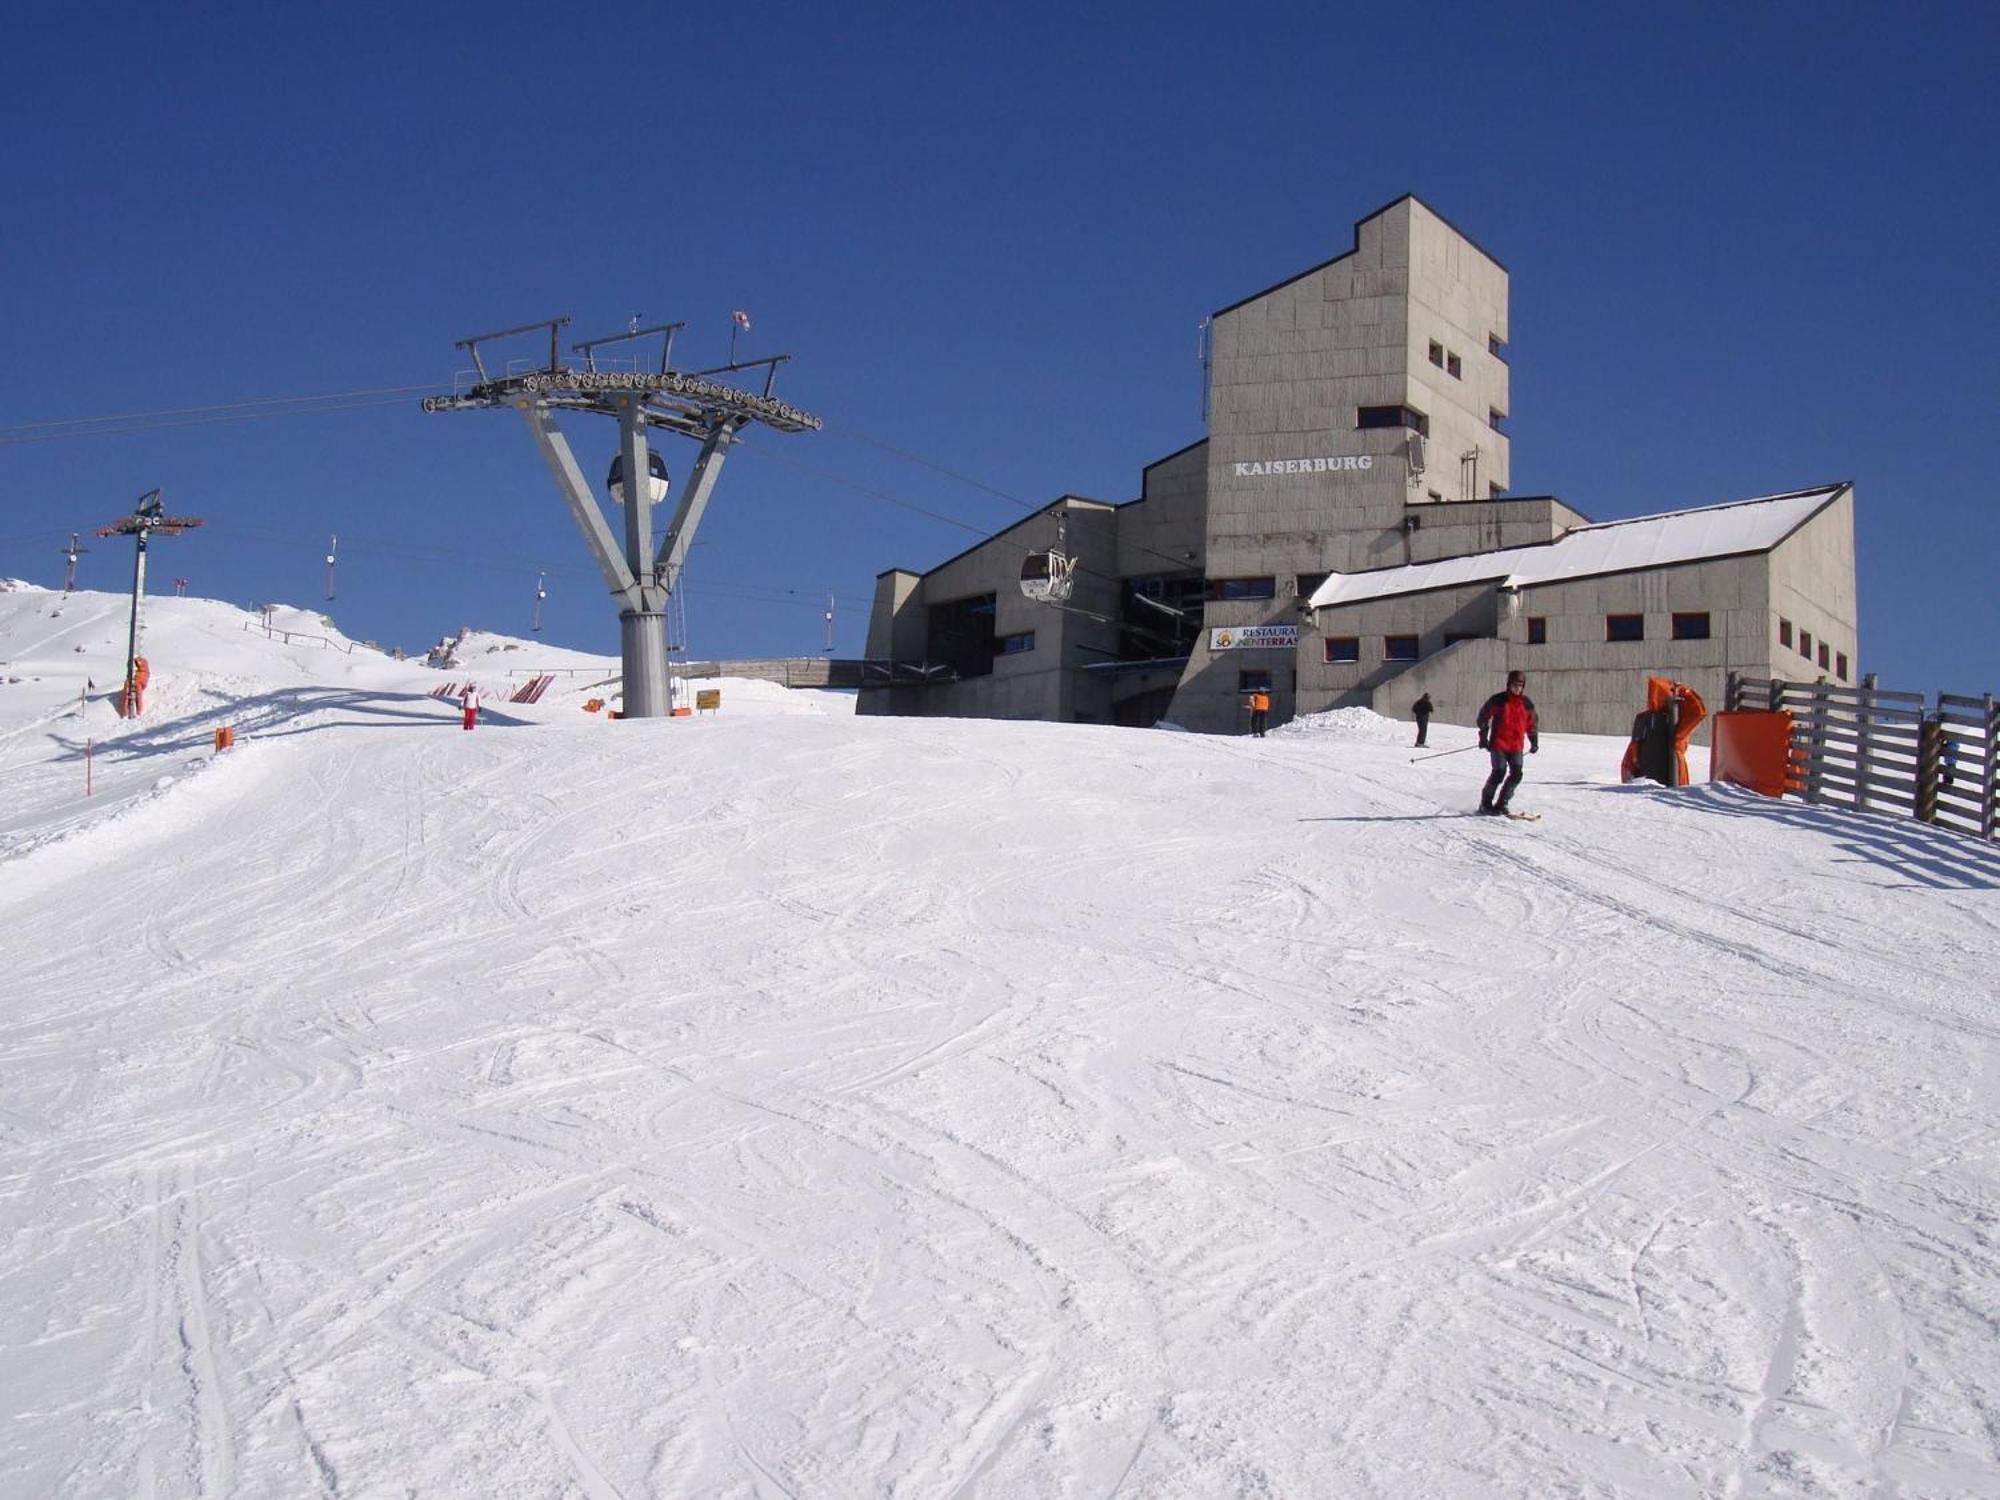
[[1525, 817]]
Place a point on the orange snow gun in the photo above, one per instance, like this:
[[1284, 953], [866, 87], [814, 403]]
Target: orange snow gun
[[1660, 735]]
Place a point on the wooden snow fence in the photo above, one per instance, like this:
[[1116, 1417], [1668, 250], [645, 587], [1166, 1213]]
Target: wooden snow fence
[[1936, 759]]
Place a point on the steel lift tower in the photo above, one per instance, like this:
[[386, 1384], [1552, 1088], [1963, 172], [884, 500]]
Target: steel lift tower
[[148, 519], [696, 404]]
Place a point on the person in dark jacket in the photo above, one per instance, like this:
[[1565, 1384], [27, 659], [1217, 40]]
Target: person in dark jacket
[[1507, 726], [1421, 711]]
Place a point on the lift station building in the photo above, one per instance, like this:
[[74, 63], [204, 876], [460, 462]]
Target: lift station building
[[1345, 535]]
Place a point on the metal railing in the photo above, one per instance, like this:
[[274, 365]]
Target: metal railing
[[1936, 759]]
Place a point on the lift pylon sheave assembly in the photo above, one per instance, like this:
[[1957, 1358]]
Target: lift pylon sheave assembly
[[692, 403], [148, 519]]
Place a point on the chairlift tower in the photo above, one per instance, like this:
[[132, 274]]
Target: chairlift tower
[[70, 554], [697, 404], [148, 518]]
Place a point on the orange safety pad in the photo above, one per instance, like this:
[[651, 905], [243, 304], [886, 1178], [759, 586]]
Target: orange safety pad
[[1753, 748]]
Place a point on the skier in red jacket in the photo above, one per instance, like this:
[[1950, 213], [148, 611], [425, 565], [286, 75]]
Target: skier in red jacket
[[1507, 725]]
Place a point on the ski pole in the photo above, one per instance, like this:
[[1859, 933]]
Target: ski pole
[[1438, 755]]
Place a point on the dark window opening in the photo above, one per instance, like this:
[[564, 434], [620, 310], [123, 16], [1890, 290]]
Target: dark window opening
[[1453, 367], [1822, 656], [1308, 584], [1805, 644], [1784, 631], [1692, 626], [1253, 681], [1437, 354], [1496, 492], [1538, 630], [1624, 627], [1243, 588], [1153, 633], [1343, 648], [1494, 417], [1840, 665], [1393, 416], [1496, 346], [961, 635], [1399, 647], [1014, 645]]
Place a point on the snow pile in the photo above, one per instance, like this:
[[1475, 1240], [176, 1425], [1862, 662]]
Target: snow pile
[[1356, 725], [798, 1103]]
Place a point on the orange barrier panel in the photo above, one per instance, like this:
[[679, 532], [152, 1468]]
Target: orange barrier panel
[[1753, 748], [224, 737], [683, 713]]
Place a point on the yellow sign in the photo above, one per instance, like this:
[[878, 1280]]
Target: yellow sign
[[707, 698]]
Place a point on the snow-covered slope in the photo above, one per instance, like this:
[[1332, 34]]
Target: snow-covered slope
[[802, 1104]]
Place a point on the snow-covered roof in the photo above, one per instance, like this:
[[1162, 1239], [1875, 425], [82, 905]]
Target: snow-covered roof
[[1611, 547]]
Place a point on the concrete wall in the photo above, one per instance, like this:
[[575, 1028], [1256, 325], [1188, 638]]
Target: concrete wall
[[1471, 609], [1812, 585], [1041, 683], [1454, 529], [1165, 529], [1457, 298], [1290, 370]]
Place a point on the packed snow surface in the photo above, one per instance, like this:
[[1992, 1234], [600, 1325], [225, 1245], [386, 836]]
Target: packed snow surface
[[783, 1103]]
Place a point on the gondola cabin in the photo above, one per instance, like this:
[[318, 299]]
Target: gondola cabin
[[1047, 577], [655, 466]]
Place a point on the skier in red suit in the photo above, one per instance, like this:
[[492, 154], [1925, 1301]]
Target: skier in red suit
[[1507, 726]]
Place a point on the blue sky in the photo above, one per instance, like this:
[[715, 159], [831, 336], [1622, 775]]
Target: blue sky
[[1751, 247]]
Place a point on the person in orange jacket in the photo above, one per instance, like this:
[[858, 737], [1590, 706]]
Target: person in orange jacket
[[1507, 726], [1260, 711]]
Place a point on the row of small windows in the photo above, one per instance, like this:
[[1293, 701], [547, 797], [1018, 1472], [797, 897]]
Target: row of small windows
[[1445, 360], [1689, 625], [1683, 625], [1805, 649]]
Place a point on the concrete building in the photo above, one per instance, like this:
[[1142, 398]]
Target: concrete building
[[1345, 535]]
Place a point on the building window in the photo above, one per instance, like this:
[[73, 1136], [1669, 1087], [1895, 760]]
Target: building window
[[1691, 627], [1014, 645], [1784, 631], [1437, 354], [1496, 492], [1840, 665], [1823, 663], [1251, 681], [1452, 367], [1399, 648], [1538, 630], [1805, 644], [1343, 648], [1496, 346], [1243, 588], [961, 635], [1624, 627], [1392, 416], [1308, 584], [1494, 417]]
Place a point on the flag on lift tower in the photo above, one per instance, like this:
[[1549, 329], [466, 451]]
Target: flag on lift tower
[[741, 319]]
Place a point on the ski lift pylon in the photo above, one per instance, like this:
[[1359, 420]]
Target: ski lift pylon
[[1047, 577]]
